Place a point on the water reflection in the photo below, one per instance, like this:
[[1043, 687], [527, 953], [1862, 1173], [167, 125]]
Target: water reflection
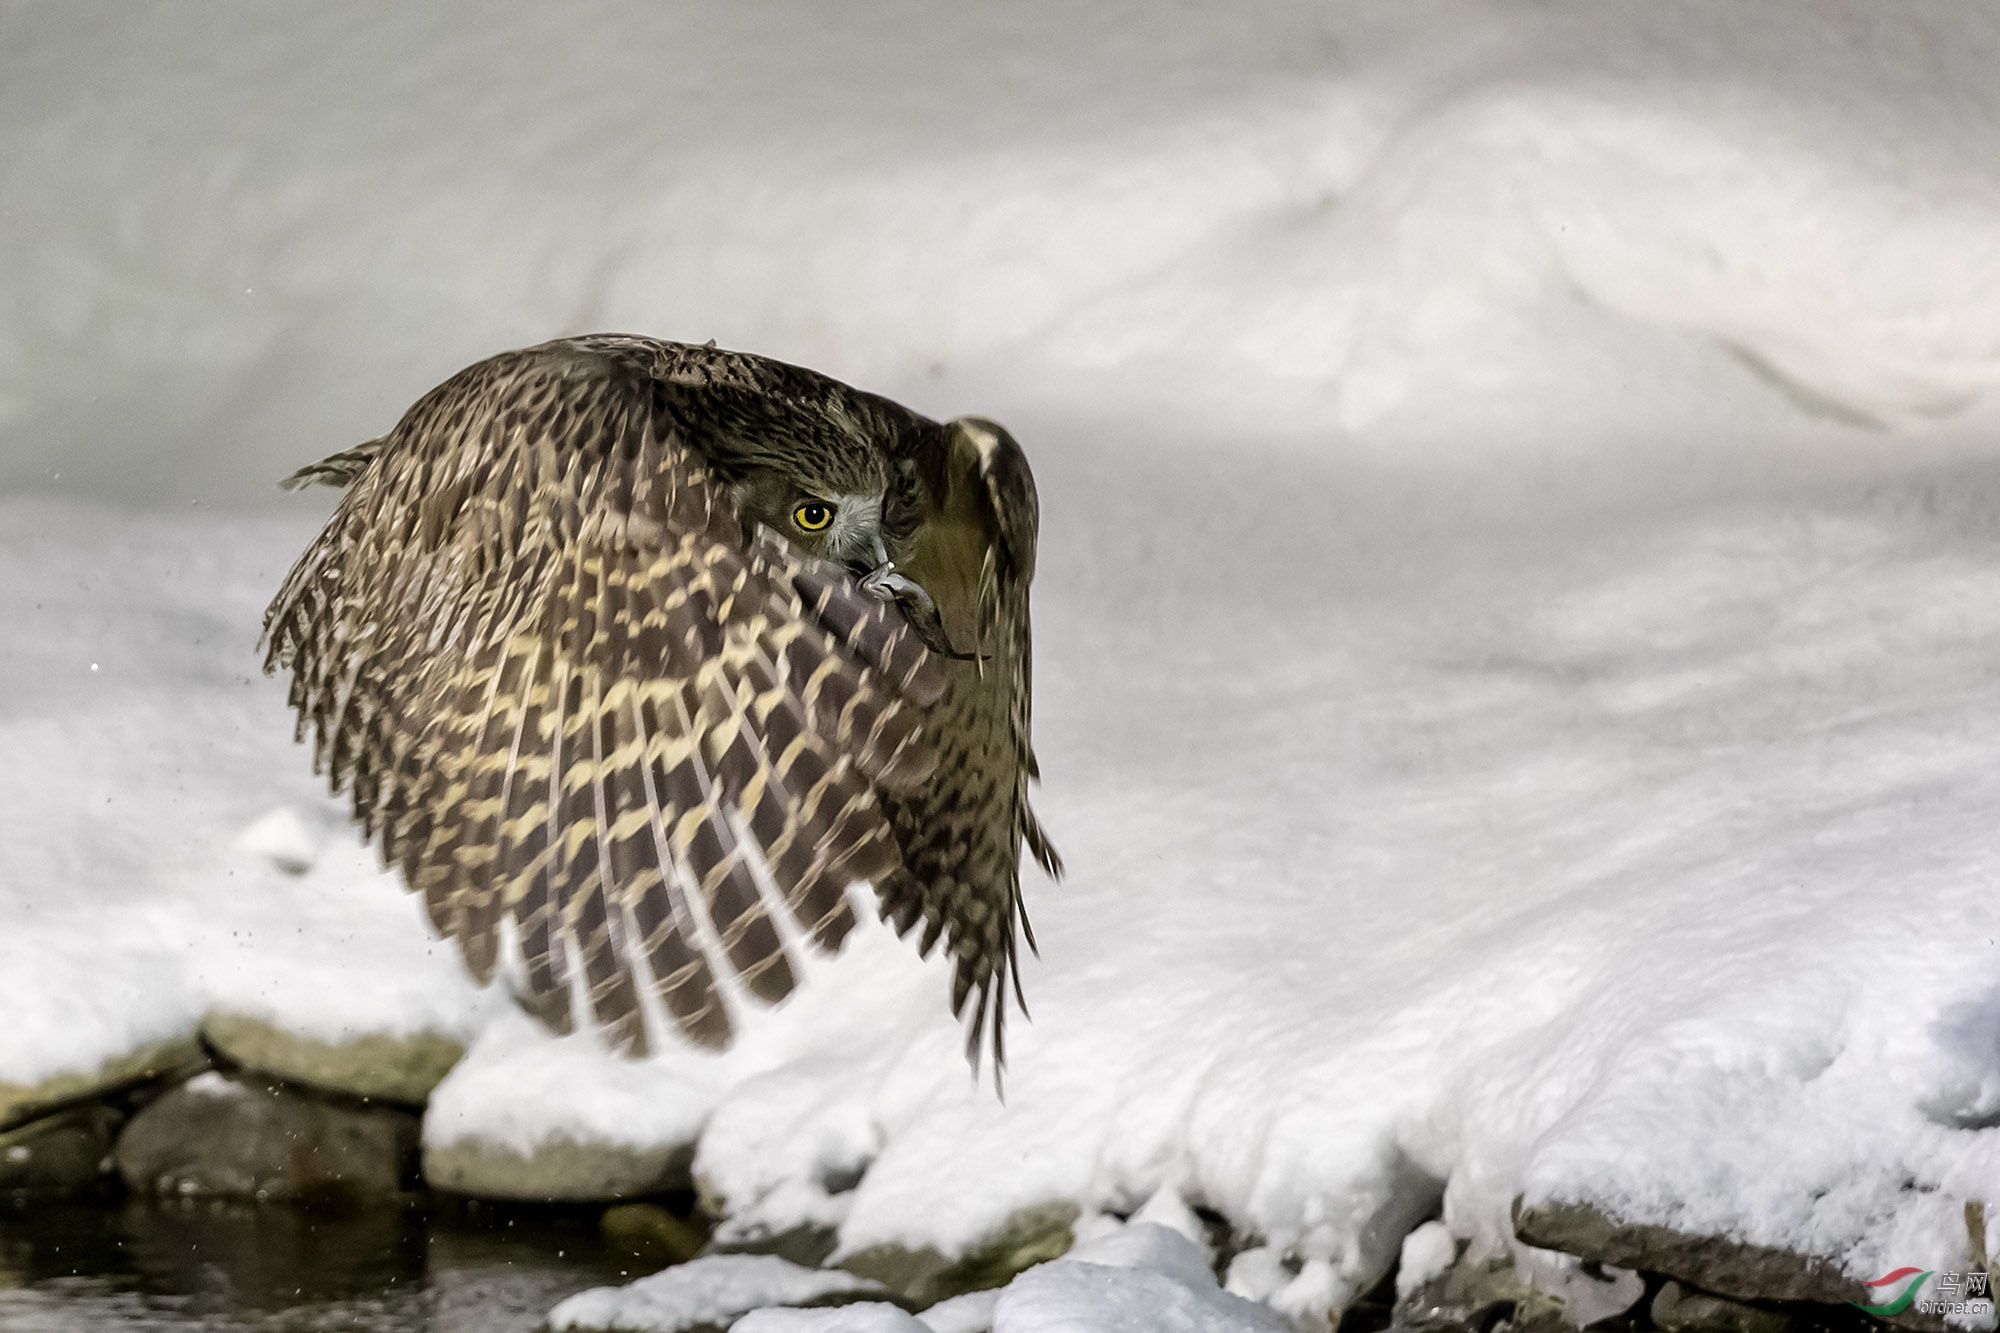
[[181, 1267]]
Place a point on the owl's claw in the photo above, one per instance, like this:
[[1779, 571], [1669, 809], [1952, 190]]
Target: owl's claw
[[885, 584]]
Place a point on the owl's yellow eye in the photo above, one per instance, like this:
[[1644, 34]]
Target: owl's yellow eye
[[812, 515]]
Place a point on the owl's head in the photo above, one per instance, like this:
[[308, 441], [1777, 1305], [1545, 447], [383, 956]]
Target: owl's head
[[829, 496], [832, 519]]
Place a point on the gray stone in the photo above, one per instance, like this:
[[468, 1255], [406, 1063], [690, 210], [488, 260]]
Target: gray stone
[[231, 1136], [65, 1153], [1716, 1264], [557, 1170], [807, 1244], [923, 1276], [1676, 1309], [374, 1066], [166, 1061]]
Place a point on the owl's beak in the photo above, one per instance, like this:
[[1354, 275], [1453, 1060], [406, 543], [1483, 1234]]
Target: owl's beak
[[870, 562]]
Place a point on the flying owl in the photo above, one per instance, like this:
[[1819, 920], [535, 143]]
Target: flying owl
[[643, 653]]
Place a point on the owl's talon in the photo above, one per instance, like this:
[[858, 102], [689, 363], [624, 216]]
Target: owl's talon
[[916, 605], [883, 582]]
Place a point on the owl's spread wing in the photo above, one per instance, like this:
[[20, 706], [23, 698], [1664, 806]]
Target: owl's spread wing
[[568, 692], [962, 832]]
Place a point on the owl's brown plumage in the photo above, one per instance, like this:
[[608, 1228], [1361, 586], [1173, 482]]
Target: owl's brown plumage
[[583, 675]]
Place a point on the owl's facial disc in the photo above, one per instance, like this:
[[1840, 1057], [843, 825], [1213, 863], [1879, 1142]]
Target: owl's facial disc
[[845, 528]]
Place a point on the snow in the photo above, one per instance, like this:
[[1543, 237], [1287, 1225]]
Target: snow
[[160, 812], [1141, 1276], [1427, 1252], [1066, 1296], [970, 1313], [1144, 1276], [1514, 626], [707, 1290], [212, 1084]]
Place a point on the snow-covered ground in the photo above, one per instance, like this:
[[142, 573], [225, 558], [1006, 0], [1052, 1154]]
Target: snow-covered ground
[[1516, 629]]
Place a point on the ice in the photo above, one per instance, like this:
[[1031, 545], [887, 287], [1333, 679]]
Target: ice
[[1514, 624]]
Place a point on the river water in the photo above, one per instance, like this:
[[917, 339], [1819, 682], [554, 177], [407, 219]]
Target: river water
[[187, 1267]]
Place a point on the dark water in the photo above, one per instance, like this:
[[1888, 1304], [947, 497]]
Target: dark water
[[180, 1267]]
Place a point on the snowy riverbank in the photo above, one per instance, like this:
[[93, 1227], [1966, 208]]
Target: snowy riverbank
[[1519, 719]]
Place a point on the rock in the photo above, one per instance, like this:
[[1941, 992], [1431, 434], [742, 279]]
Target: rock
[[558, 1170], [1711, 1263], [60, 1154], [651, 1233], [808, 1244], [1472, 1294], [374, 1066], [231, 1136], [1529, 1290], [165, 1061], [1587, 1293], [923, 1276], [1678, 1310]]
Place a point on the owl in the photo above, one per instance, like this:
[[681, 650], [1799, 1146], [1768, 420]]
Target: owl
[[636, 656]]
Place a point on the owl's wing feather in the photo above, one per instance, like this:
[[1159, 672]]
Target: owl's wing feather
[[569, 693], [962, 834]]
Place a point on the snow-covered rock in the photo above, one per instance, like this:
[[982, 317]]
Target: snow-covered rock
[[166, 1061], [1721, 1264], [706, 1293], [556, 1170], [923, 1275], [867, 1317], [376, 1066], [1143, 1275], [532, 1117]]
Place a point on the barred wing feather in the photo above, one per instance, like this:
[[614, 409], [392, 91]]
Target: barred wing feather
[[568, 691]]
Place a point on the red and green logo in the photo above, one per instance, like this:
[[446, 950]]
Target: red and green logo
[[1912, 1279]]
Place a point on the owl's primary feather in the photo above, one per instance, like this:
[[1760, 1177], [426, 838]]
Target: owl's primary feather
[[575, 679]]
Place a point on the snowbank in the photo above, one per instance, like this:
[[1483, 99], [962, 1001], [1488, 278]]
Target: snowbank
[[255, 238], [1515, 727], [142, 745]]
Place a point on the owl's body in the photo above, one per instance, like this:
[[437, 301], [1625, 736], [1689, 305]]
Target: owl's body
[[644, 653]]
